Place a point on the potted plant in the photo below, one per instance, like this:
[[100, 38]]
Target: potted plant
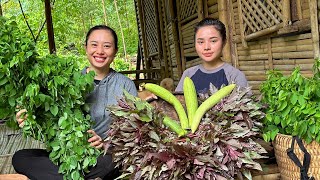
[[293, 112], [222, 146]]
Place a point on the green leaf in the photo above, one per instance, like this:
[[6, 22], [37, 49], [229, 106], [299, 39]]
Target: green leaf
[[12, 101], [79, 134], [54, 110], [283, 105], [294, 98], [274, 133], [277, 120], [301, 100], [3, 81], [47, 69], [85, 162], [75, 175]]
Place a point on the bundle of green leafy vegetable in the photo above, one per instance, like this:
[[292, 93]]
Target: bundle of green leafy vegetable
[[222, 148], [293, 104], [53, 91]]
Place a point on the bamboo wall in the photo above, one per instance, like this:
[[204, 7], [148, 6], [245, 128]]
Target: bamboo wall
[[273, 51], [261, 36]]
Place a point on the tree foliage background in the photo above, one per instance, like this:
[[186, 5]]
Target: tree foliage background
[[72, 20]]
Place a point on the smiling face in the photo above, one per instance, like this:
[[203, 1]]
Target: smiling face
[[209, 44], [100, 49]]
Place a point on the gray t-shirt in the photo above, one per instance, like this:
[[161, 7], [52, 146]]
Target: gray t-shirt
[[106, 93], [225, 74]]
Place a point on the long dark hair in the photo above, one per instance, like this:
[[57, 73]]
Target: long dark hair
[[103, 27]]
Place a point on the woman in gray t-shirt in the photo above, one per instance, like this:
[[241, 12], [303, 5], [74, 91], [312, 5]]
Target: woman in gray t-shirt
[[210, 38]]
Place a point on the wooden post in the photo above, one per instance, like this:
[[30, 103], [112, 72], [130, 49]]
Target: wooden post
[[286, 13], [224, 18], [162, 20], [200, 10], [139, 52], [243, 41], [205, 9], [161, 39], [175, 34], [299, 9], [180, 40], [232, 32], [52, 46], [314, 27], [270, 58], [143, 34]]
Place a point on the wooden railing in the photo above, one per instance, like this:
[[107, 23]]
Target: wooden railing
[[149, 75]]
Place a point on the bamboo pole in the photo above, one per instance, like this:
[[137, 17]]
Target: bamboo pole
[[213, 9], [200, 10], [263, 32], [162, 39], [176, 26], [243, 40], [121, 30], [314, 27], [299, 10], [205, 8], [286, 13], [270, 58], [143, 36], [233, 48], [211, 2], [224, 18], [104, 13], [169, 37], [189, 18]]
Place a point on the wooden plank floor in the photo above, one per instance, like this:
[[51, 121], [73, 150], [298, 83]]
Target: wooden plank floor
[[10, 142]]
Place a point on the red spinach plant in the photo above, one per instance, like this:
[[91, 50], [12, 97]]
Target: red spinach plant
[[222, 148]]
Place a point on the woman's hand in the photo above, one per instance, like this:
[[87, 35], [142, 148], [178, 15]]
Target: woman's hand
[[95, 140], [21, 117], [146, 95]]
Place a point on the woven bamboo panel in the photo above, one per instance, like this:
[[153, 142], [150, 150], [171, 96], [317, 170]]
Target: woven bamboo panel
[[187, 8], [10, 142], [150, 22], [258, 15]]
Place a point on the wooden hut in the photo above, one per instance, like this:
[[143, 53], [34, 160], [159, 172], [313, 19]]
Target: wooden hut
[[262, 35]]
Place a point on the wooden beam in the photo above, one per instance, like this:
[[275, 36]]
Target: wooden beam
[[180, 40], [270, 58], [286, 13], [146, 64], [314, 27], [224, 18], [200, 10], [243, 40], [52, 46], [264, 32], [232, 32], [163, 53]]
